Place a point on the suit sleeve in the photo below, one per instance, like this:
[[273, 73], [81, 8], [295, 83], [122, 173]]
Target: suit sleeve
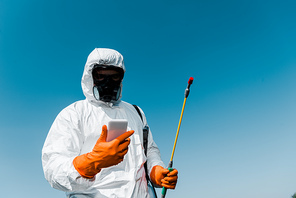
[[62, 145]]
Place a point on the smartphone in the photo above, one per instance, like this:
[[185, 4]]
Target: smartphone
[[116, 127]]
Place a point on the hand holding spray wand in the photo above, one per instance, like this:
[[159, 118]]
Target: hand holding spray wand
[[187, 90]]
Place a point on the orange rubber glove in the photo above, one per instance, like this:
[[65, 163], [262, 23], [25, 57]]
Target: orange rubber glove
[[163, 177], [103, 155]]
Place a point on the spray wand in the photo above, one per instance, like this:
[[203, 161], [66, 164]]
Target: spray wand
[[170, 166]]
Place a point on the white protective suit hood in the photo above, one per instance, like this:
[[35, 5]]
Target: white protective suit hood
[[99, 56]]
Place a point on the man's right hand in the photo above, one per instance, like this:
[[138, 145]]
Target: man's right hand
[[103, 155]]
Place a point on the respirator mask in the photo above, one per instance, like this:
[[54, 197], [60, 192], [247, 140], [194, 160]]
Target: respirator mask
[[107, 82]]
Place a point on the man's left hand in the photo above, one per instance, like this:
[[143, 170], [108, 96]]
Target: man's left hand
[[163, 177]]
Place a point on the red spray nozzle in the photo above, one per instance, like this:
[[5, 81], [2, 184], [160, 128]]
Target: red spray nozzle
[[188, 87], [190, 80]]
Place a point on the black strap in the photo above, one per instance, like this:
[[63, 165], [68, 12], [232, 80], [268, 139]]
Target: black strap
[[145, 132], [139, 112], [145, 144]]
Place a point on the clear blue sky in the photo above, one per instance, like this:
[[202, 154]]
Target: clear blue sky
[[238, 133]]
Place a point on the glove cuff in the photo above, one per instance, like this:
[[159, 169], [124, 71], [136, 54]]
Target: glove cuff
[[84, 168], [155, 176]]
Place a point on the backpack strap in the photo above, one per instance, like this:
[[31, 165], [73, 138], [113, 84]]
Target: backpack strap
[[139, 112], [145, 132], [145, 144]]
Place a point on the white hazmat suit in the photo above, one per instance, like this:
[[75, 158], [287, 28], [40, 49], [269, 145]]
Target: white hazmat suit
[[76, 130]]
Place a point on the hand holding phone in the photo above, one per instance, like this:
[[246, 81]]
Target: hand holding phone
[[104, 154]]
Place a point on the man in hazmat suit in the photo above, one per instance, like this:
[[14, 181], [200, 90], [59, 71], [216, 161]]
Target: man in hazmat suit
[[76, 157]]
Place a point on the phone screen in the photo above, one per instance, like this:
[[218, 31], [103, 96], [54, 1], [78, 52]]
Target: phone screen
[[116, 127]]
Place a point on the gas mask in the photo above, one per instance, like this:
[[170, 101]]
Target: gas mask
[[107, 82]]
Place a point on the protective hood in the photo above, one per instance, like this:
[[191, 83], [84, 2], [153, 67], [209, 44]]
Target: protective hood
[[100, 56]]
